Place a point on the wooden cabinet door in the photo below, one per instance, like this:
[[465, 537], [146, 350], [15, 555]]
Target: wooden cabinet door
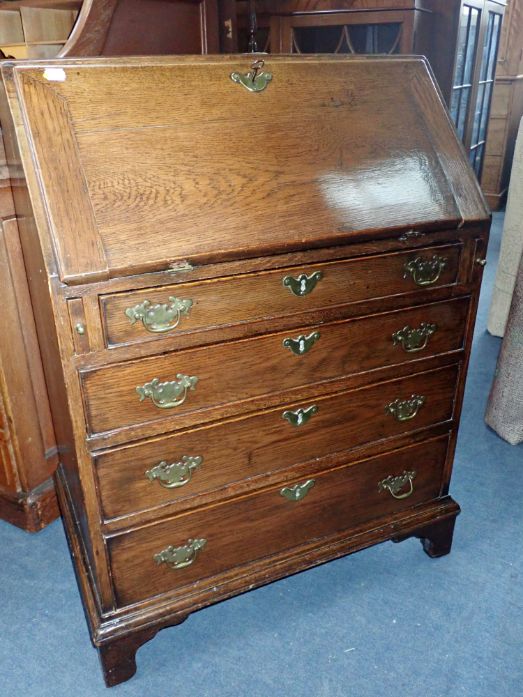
[[141, 27]]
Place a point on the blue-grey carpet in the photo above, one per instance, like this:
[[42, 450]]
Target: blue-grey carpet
[[386, 621]]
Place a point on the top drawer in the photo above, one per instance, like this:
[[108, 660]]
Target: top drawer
[[186, 308]]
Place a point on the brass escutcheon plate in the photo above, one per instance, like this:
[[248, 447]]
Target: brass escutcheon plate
[[297, 492]]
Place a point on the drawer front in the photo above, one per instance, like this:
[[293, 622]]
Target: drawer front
[[236, 533], [194, 307], [180, 467], [231, 372]]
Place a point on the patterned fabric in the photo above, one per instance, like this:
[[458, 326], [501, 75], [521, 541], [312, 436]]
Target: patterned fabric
[[505, 405], [511, 246]]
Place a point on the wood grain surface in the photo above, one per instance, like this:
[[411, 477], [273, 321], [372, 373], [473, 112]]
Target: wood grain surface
[[262, 524], [262, 444], [350, 165], [206, 175], [238, 371], [254, 297]]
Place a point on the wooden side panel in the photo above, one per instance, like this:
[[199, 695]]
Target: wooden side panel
[[500, 100], [53, 329], [8, 471], [26, 397], [501, 141], [441, 32], [26, 435], [7, 209], [144, 27], [466, 193], [90, 30], [162, 27], [510, 58], [76, 238]]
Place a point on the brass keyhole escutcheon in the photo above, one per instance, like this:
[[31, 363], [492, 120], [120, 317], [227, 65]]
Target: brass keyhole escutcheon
[[255, 80], [298, 491], [303, 284], [300, 416], [302, 344]]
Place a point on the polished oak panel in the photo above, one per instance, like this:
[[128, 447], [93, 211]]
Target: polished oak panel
[[254, 446], [320, 180], [250, 297], [303, 401], [266, 523], [242, 370]]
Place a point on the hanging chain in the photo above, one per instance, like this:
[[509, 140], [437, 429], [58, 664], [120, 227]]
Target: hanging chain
[[253, 27]]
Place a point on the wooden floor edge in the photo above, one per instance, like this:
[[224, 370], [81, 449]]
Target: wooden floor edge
[[167, 610], [30, 510]]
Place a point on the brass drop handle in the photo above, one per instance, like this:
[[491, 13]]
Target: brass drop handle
[[175, 474], [302, 344], [394, 484], [180, 557], [298, 491], [303, 284], [166, 395], [405, 409], [300, 416], [413, 339], [425, 272], [162, 317]]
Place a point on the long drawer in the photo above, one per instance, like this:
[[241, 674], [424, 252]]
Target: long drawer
[[179, 468], [185, 382], [195, 307], [211, 541]]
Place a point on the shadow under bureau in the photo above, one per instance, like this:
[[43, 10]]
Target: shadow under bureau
[[255, 287]]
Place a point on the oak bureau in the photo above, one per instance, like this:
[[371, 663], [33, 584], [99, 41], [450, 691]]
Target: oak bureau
[[254, 281]]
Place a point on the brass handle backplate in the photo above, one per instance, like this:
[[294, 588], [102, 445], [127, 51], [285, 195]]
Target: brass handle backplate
[[159, 318], [180, 557], [394, 484], [425, 272], [302, 343], [303, 285], [405, 409], [166, 395], [175, 474], [414, 339], [300, 416], [411, 235], [254, 80], [298, 491]]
